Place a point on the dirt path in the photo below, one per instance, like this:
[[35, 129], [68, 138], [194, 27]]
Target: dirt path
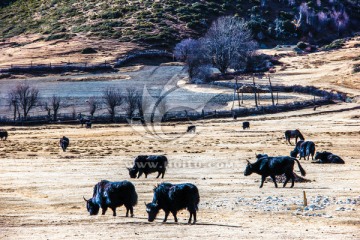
[[42, 187]]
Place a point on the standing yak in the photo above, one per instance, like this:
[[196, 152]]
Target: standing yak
[[293, 134], [148, 164], [112, 195], [272, 166], [305, 149], [64, 143], [172, 198], [3, 134]]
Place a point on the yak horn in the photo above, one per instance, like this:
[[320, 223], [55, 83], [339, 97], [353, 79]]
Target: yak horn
[[248, 161], [85, 199], [145, 203]]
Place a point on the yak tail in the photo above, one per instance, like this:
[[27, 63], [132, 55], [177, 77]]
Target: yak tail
[[197, 203], [302, 171], [134, 199]]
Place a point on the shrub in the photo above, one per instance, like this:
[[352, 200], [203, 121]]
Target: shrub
[[302, 45], [64, 36], [88, 50], [335, 45], [356, 68]]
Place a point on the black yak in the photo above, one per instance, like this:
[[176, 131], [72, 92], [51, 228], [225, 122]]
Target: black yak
[[305, 149], [83, 121], [191, 128], [148, 164], [272, 166], [328, 157], [64, 143], [172, 198], [112, 195], [88, 124], [245, 125], [293, 134], [3, 134]]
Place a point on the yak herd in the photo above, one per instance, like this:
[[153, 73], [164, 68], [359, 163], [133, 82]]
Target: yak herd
[[173, 197]]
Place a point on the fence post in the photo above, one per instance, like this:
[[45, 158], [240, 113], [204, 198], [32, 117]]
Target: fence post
[[254, 88], [271, 91]]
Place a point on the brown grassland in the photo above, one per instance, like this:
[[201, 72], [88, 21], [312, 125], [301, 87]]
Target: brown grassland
[[42, 188]]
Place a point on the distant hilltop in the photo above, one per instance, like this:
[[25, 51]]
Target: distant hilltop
[[162, 24]]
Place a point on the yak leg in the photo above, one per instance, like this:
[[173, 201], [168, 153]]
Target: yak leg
[[145, 175], [140, 173], [114, 211], [287, 179], [158, 174], [191, 213], [262, 181], [274, 180], [162, 174], [104, 209], [194, 217], [131, 211], [292, 179], [174, 214], [166, 216]]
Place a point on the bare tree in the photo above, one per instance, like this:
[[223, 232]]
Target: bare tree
[[228, 43], [112, 99], [56, 104], [53, 105], [24, 97], [132, 100], [93, 105], [47, 108], [190, 51], [13, 102]]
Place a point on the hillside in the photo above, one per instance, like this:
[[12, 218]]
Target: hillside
[[163, 23]]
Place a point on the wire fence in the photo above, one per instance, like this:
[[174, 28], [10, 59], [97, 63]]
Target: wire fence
[[184, 115], [55, 68]]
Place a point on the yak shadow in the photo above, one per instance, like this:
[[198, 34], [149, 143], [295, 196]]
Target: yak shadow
[[172, 223]]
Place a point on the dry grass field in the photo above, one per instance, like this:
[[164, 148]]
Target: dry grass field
[[42, 187]]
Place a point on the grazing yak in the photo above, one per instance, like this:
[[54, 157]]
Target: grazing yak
[[293, 134], [172, 198], [112, 195], [305, 149], [3, 134], [64, 143], [191, 128], [149, 164], [328, 157], [272, 166], [88, 124], [246, 125], [83, 121]]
